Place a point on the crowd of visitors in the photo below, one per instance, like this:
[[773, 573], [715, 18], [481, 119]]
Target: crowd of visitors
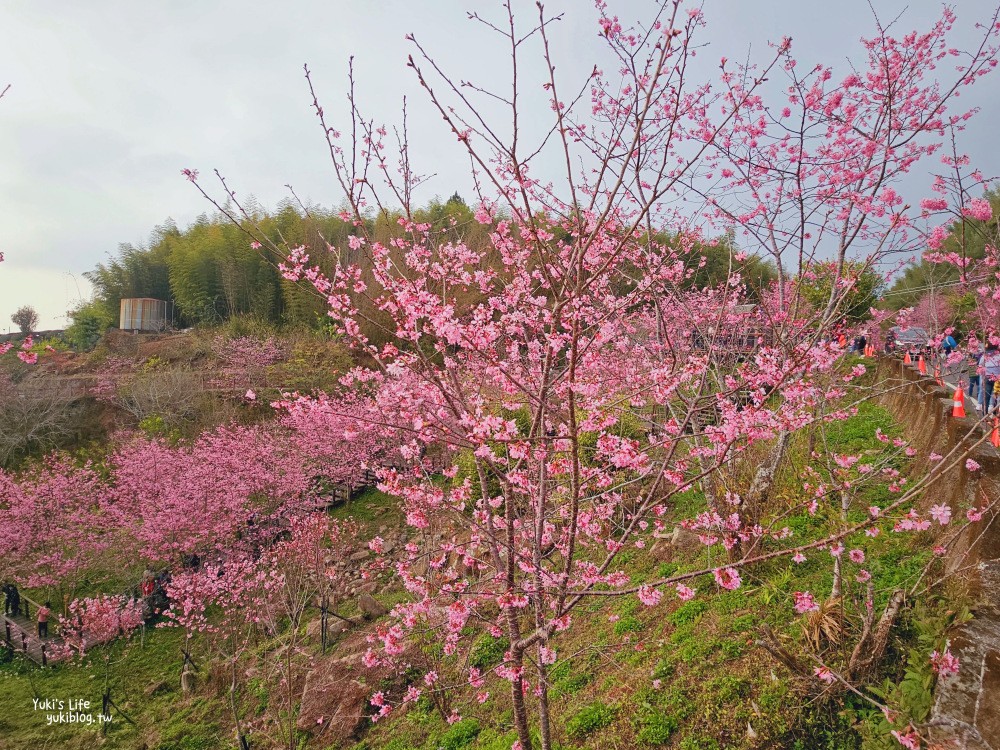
[[984, 371]]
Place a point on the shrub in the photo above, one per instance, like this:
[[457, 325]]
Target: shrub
[[627, 624], [488, 652], [656, 727], [589, 719], [460, 735], [687, 612]]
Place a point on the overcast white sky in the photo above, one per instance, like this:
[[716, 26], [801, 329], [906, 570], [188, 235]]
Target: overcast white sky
[[110, 99]]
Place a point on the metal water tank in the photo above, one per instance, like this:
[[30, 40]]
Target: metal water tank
[[143, 314]]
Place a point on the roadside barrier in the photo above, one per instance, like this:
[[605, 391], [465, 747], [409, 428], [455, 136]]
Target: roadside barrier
[[958, 410]]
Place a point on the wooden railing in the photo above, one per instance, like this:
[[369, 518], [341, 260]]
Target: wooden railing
[[21, 634]]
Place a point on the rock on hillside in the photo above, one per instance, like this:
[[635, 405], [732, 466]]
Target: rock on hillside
[[335, 697]]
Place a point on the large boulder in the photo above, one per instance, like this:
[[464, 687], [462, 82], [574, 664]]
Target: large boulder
[[680, 541], [371, 607], [333, 703], [335, 699]]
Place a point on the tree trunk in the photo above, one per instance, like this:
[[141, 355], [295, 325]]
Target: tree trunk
[[544, 726], [770, 643], [242, 741], [872, 645], [838, 580], [762, 483], [517, 698]]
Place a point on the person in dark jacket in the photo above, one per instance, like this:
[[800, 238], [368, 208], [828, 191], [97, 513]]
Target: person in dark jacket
[[12, 600], [890, 342]]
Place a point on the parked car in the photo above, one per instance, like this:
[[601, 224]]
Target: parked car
[[911, 338]]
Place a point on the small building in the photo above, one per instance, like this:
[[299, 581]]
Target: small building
[[143, 314]]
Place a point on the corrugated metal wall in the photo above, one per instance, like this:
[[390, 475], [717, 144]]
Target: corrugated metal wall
[[143, 314]]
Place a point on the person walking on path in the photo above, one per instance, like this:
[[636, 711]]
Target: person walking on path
[[949, 344], [12, 600], [147, 584], [975, 351], [43, 620], [890, 342], [989, 371]]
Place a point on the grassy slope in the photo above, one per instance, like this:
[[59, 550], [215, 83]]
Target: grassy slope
[[145, 683], [716, 689], [714, 683]]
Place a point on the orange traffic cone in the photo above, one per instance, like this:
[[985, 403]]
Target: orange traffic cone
[[937, 375], [906, 359], [958, 410], [921, 365], [995, 435]]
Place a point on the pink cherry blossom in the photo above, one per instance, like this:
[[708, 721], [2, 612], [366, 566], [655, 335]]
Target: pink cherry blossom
[[944, 664], [909, 739], [649, 596], [499, 378], [804, 602], [728, 578], [978, 208], [824, 674], [941, 513]]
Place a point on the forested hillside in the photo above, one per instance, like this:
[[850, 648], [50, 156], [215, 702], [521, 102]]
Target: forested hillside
[[216, 269]]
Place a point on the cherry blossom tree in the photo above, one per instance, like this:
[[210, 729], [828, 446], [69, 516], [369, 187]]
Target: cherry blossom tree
[[338, 439], [572, 384], [52, 534], [267, 593], [235, 587], [225, 490], [96, 621]]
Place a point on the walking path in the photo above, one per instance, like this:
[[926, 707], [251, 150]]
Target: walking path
[[20, 634]]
